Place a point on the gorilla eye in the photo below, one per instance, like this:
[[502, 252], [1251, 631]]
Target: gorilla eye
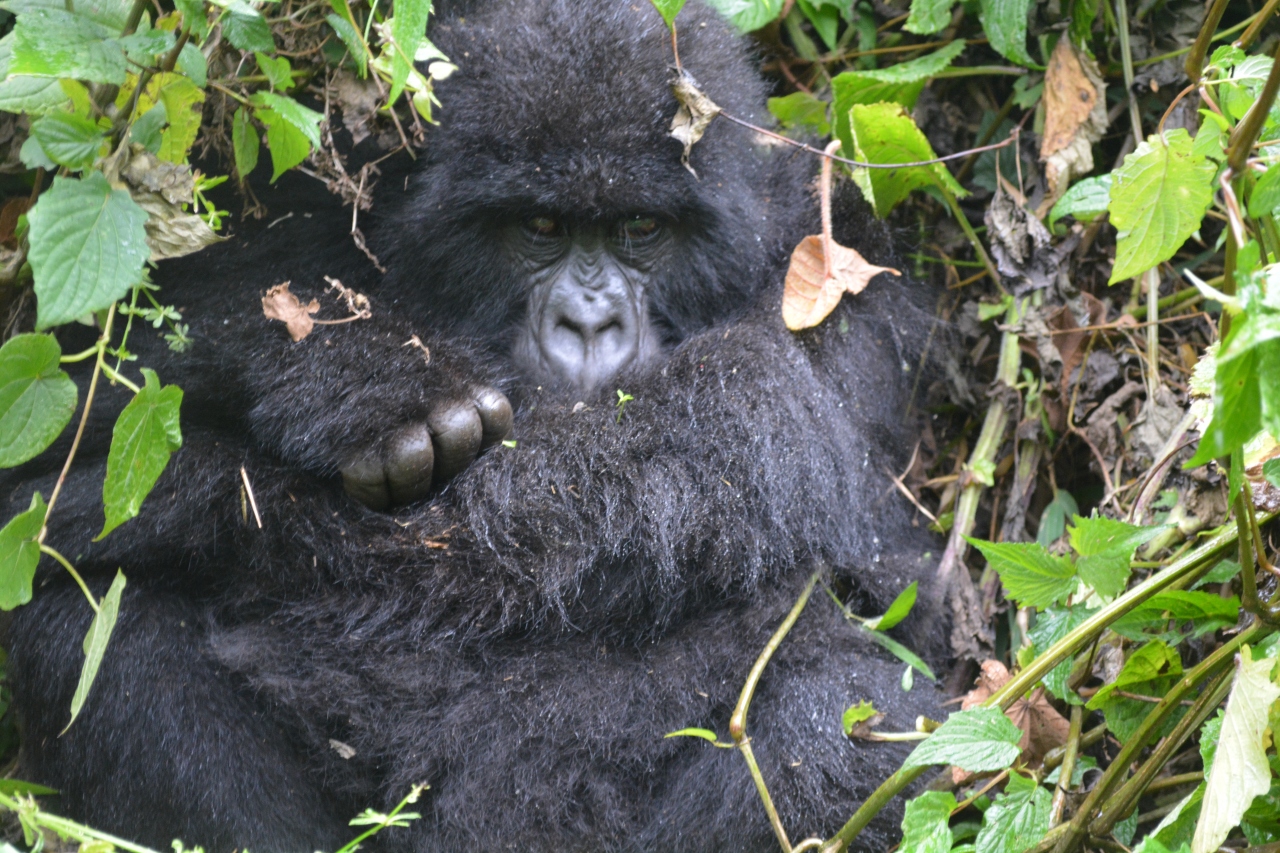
[[638, 229], [542, 227]]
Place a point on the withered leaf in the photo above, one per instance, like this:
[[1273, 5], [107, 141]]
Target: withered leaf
[[1043, 728], [280, 304], [1075, 117], [694, 115], [161, 189], [809, 295]]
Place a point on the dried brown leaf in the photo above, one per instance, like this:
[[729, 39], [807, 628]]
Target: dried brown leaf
[[1075, 117], [1043, 728], [808, 295], [280, 304], [695, 114]]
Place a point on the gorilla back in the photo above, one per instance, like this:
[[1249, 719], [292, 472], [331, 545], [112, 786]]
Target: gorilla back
[[516, 626]]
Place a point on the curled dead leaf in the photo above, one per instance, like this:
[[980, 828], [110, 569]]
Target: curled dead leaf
[[694, 115], [162, 189], [280, 304], [1075, 118], [809, 295]]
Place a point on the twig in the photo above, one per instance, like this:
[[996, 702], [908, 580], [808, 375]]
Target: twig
[[738, 722], [253, 503]]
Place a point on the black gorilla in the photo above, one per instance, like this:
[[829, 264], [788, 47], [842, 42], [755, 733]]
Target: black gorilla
[[521, 638]]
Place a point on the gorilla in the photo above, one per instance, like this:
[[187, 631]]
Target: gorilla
[[543, 507]]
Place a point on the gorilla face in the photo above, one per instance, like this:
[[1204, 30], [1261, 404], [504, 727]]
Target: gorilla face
[[588, 316]]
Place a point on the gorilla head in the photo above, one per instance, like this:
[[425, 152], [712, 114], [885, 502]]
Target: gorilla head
[[564, 227]]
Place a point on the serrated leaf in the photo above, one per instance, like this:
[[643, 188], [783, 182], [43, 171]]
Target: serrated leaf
[[901, 84], [408, 27], [88, 245], [1158, 199], [1154, 660], [288, 145], [1240, 771], [192, 63], [95, 643], [926, 823], [1246, 390], [145, 435], [885, 133], [1016, 821], [347, 33], [244, 142], [1208, 612], [20, 554], [1051, 626], [68, 140], [37, 398], [1086, 200], [194, 17], [1030, 575], [21, 94], [668, 9], [1053, 521], [57, 43], [246, 29], [277, 71], [928, 16], [306, 121], [897, 611], [1005, 23], [977, 740], [748, 15], [183, 103]]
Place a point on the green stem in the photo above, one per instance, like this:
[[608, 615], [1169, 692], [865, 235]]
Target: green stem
[[738, 721], [64, 827], [1220, 660], [1068, 766], [66, 564], [1200, 49], [1126, 58], [115, 376]]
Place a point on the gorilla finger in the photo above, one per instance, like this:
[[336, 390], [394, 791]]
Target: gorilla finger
[[457, 431], [495, 415], [364, 480], [409, 462]]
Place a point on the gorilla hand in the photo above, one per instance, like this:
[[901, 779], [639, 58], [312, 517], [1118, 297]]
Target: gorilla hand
[[404, 466]]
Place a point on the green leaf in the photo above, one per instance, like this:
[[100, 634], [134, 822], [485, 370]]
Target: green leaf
[[1158, 198], [1221, 573], [88, 245], [246, 29], [57, 43], [244, 141], [800, 109], [306, 121], [1086, 200], [976, 740], [825, 20], [147, 129], [194, 17], [288, 145], [68, 139], [857, 713], [897, 611], [748, 15], [1017, 820], [668, 9], [1211, 137], [20, 553], [901, 83], [278, 72], [1266, 194], [10, 787], [183, 103], [145, 46], [95, 643], [1206, 611], [1030, 574], [1053, 521], [1005, 23], [1246, 394], [351, 39], [1051, 626], [192, 63], [928, 16], [705, 734], [926, 823], [408, 27], [1100, 535], [1147, 663], [1240, 771], [898, 650], [145, 435], [885, 133], [21, 94], [37, 398]]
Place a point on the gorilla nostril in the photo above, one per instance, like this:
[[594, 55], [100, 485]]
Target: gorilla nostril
[[614, 325]]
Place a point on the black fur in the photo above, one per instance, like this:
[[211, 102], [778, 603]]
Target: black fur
[[523, 640]]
